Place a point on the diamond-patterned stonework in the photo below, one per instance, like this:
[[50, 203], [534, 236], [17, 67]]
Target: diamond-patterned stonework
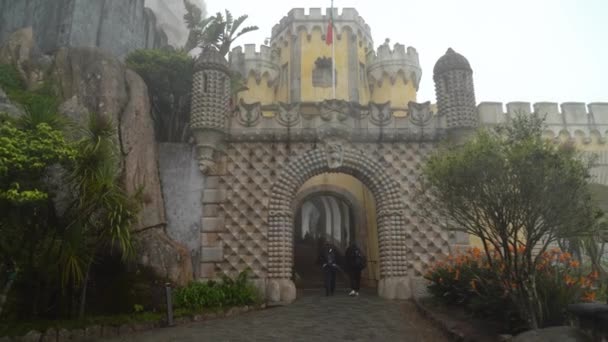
[[262, 179]]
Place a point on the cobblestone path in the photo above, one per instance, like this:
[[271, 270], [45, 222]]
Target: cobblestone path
[[311, 317]]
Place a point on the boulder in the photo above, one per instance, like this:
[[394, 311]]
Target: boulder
[[18, 50], [553, 334], [6, 106]]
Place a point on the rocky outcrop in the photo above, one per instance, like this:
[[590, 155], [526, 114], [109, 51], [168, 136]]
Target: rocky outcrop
[[6, 106], [115, 26], [89, 80]]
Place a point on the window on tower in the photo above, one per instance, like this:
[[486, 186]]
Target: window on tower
[[361, 72], [321, 74], [284, 75]]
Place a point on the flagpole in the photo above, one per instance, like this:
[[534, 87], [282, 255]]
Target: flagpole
[[333, 53]]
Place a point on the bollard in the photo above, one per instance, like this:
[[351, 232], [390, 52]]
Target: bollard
[[169, 305]]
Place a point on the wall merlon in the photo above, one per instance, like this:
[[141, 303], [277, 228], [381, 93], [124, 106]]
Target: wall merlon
[[514, 108], [599, 112], [550, 111], [575, 113], [491, 113]]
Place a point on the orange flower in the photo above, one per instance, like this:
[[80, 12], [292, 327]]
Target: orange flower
[[565, 257], [476, 252], [588, 296], [574, 264], [569, 280], [593, 275]]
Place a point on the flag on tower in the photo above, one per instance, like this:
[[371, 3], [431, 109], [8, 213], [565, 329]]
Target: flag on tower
[[329, 38]]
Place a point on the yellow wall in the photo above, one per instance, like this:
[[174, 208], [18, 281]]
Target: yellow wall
[[257, 92], [400, 93], [313, 49], [364, 95], [282, 91], [365, 198]]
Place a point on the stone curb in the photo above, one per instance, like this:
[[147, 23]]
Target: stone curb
[[94, 332], [450, 331]]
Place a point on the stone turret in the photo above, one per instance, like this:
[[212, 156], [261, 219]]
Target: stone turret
[[210, 105], [394, 63], [455, 93]]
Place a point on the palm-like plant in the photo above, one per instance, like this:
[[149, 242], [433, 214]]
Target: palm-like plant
[[102, 212], [222, 32], [219, 31]]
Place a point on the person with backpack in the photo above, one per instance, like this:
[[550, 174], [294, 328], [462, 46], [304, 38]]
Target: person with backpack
[[329, 263], [355, 263]]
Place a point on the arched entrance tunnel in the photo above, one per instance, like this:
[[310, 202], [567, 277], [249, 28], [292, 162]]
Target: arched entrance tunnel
[[338, 208], [392, 230]]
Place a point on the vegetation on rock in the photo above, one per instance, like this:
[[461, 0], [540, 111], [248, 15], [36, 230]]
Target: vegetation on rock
[[63, 207], [168, 75]]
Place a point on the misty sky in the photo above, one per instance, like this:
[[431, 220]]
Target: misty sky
[[520, 50]]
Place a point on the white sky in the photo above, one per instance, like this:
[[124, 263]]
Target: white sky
[[520, 50]]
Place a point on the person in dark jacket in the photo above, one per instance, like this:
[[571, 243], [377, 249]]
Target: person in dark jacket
[[355, 263], [328, 259]]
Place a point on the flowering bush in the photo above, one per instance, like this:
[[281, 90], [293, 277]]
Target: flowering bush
[[480, 284]]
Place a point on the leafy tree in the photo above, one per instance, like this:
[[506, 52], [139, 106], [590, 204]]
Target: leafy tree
[[25, 156], [168, 75], [517, 193]]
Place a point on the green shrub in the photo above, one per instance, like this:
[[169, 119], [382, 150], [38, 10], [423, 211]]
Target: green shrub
[[10, 80], [212, 295]]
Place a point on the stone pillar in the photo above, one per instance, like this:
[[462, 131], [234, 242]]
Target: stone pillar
[[394, 283], [279, 286], [212, 224]]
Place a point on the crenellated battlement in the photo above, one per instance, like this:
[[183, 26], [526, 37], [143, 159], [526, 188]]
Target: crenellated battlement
[[259, 62], [398, 52], [298, 19], [394, 62], [576, 119]]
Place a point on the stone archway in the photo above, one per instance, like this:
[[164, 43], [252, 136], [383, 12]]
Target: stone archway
[[392, 232]]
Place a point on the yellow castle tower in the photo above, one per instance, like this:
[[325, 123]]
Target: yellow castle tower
[[296, 66]]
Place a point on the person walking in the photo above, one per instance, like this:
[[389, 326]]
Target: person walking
[[329, 264], [355, 263]]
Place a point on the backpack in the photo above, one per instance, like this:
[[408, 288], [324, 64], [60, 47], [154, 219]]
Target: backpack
[[359, 260]]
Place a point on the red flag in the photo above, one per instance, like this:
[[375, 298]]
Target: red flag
[[329, 38]]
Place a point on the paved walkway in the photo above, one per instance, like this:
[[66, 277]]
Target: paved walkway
[[310, 318]]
